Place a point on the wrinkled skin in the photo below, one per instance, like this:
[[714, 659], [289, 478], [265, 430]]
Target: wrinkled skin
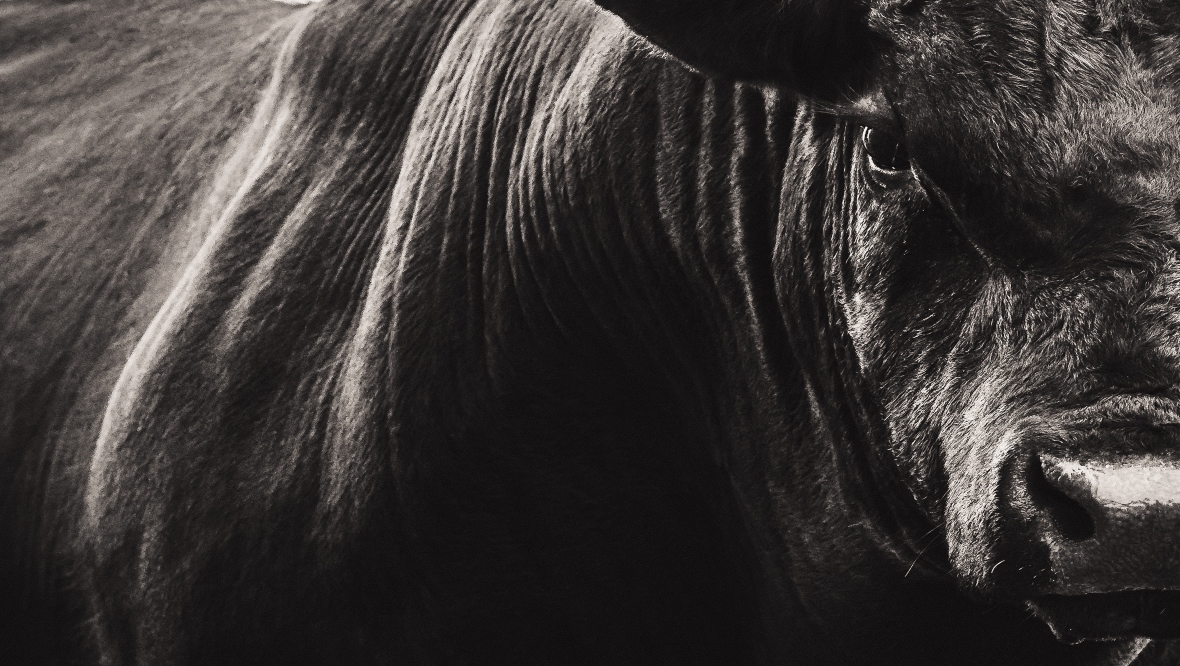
[[484, 332]]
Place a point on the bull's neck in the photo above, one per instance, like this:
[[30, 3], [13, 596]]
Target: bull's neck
[[582, 277]]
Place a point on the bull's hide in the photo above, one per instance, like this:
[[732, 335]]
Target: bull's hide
[[439, 331]]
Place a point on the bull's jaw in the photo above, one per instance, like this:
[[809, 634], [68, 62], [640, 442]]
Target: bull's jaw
[[1126, 654], [1139, 615]]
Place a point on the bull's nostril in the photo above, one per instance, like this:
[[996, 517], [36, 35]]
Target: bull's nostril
[[1071, 518]]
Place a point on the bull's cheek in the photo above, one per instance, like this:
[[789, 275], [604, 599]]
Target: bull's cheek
[[907, 405], [863, 313], [976, 451]]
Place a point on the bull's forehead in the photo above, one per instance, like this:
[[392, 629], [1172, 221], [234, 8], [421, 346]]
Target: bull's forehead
[[1015, 102]]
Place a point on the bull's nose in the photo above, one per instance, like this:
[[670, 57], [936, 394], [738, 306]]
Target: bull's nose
[[1113, 525]]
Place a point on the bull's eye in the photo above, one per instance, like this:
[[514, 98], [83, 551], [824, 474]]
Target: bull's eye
[[885, 149]]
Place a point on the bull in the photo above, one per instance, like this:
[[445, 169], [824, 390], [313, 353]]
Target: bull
[[550, 331]]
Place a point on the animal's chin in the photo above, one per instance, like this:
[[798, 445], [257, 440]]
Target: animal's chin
[[1111, 615]]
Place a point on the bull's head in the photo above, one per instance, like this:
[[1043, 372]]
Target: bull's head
[[1000, 230]]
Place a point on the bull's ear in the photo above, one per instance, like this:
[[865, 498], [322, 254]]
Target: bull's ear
[[818, 47]]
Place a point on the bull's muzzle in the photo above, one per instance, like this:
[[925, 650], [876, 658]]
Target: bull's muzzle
[[1111, 528], [1118, 523]]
